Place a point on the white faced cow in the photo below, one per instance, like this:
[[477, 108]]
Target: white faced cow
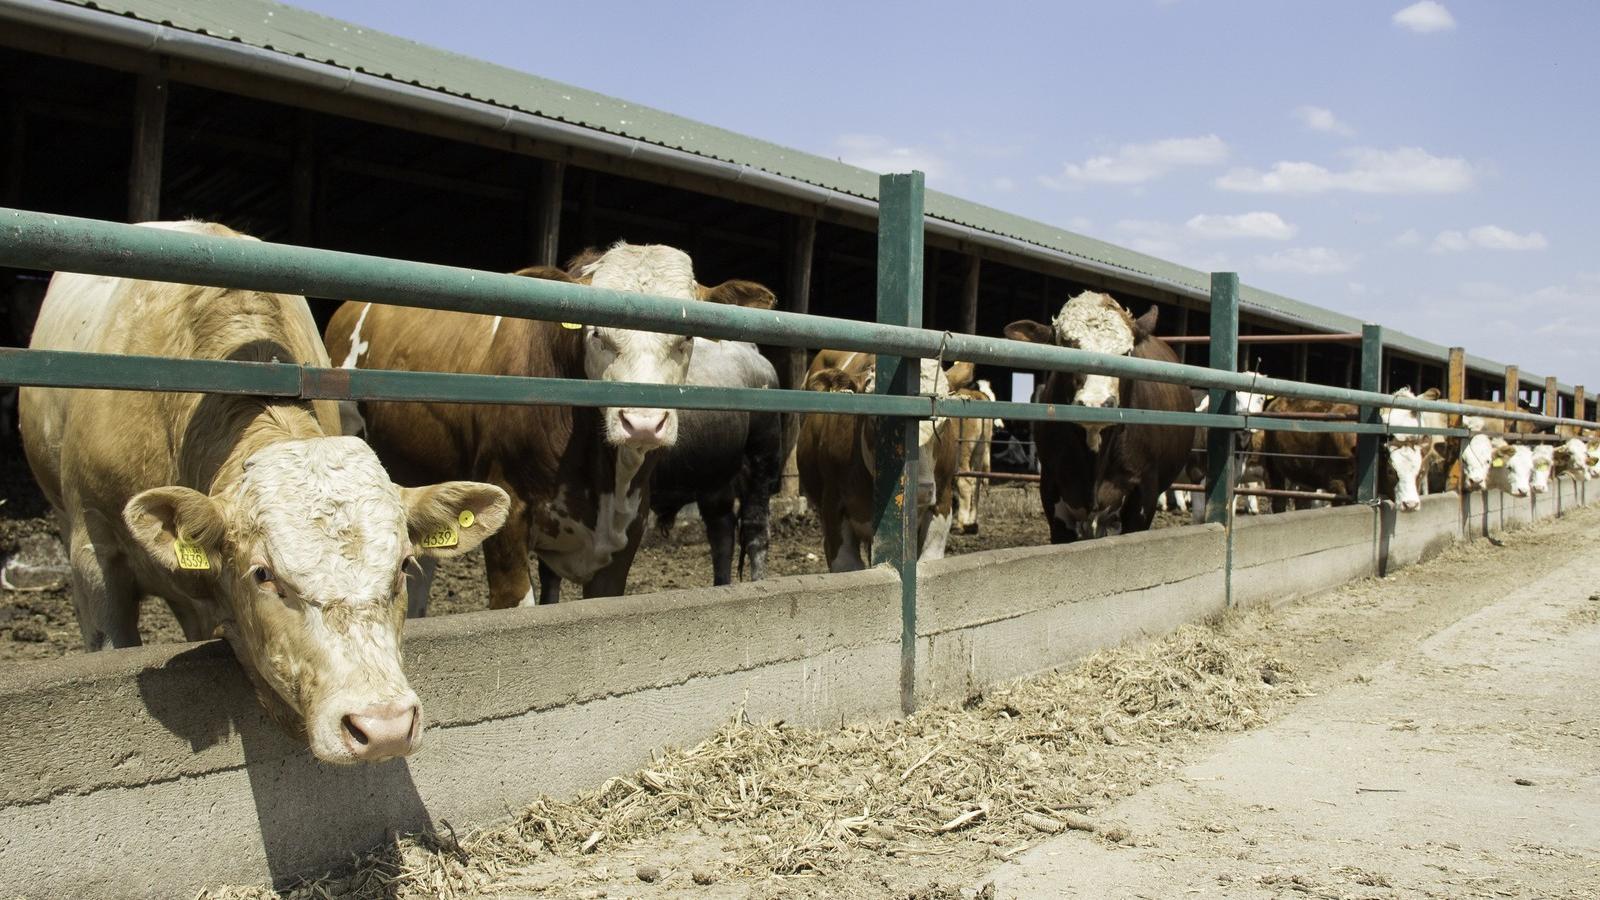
[[252, 518], [579, 476]]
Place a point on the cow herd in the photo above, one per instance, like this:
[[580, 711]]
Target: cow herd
[[305, 532]]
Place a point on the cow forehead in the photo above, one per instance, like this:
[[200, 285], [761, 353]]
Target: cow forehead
[[330, 519], [644, 269], [1095, 322]]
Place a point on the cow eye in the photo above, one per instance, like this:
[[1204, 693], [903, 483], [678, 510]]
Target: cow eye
[[261, 574]]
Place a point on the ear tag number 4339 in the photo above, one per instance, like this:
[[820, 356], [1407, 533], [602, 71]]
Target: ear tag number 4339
[[191, 555]]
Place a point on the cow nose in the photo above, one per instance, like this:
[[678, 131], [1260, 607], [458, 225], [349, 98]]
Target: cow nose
[[382, 732], [1108, 403], [643, 425], [1411, 505]]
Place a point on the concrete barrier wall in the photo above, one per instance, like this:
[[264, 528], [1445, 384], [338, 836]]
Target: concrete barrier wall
[[152, 772], [984, 618]]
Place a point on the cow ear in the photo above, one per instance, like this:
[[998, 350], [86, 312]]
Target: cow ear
[[548, 273], [179, 527], [1430, 394], [735, 292], [837, 380], [1145, 325], [961, 375], [454, 517], [1031, 331]]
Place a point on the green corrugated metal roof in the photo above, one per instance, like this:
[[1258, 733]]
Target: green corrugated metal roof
[[311, 36]]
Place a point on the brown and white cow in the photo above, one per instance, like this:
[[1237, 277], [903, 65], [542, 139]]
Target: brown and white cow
[[252, 518], [836, 458], [579, 476], [1326, 461], [1102, 479], [973, 440]]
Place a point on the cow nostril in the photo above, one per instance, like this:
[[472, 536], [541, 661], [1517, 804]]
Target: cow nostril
[[1109, 403], [354, 732], [661, 424]]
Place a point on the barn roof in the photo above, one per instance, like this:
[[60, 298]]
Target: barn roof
[[282, 35]]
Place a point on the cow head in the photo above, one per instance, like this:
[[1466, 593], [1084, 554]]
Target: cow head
[[1094, 322], [303, 560], [1510, 468], [647, 357], [1544, 461], [1571, 457], [1406, 453]]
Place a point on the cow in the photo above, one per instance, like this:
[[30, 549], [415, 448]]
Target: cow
[[836, 458], [1098, 478], [252, 517], [974, 437], [1326, 461], [722, 456], [578, 476], [1571, 458], [1495, 464], [1544, 460]]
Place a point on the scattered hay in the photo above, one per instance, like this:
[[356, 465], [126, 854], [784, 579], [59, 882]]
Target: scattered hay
[[1041, 751]]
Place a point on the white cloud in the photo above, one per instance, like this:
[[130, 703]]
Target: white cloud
[[1138, 163], [1267, 225], [1408, 238], [1487, 237], [1405, 170], [1307, 261], [1425, 17], [1318, 118], [879, 154]]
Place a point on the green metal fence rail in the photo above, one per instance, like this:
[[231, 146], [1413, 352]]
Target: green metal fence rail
[[60, 243]]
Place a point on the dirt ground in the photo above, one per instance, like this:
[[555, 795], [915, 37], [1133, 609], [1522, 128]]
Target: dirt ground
[[1431, 734], [42, 624]]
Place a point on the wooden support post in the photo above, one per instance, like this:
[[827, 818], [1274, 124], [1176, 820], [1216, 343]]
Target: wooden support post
[[1456, 381], [791, 366], [545, 219], [149, 140], [1368, 446], [1224, 356], [303, 182], [969, 295], [1513, 387], [894, 541], [1579, 404], [1551, 397]]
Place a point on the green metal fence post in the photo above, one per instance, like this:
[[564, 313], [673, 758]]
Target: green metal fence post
[[1224, 356], [1368, 445], [894, 540]]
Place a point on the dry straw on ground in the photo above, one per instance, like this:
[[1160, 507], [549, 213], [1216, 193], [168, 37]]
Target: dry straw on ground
[[1029, 758]]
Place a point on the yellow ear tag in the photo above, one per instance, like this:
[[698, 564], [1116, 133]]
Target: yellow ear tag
[[1498, 463], [191, 556], [571, 326], [466, 518], [445, 537]]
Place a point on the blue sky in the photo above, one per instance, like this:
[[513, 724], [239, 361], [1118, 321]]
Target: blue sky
[[1425, 165]]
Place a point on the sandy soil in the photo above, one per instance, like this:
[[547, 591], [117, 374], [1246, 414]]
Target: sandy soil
[[1402, 713]]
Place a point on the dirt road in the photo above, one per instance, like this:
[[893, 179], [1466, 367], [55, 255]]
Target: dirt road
[[1468, 765]]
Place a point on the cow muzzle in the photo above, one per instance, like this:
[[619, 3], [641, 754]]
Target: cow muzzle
[[645, 429], [382, 731]]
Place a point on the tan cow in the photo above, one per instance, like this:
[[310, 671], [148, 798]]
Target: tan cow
[[252, 518], [973, 440], [579, 477], [836, 456]]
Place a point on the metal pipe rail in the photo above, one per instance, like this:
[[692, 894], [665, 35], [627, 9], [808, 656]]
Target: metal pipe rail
[[65, 243], [1341, 337]]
